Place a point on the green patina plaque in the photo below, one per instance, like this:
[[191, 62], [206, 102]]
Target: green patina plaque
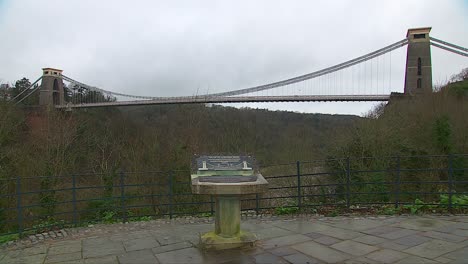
[[223, 166]]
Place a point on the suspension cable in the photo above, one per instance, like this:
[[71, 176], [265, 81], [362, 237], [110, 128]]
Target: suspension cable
[[317, 73], [449, 49], [449, 44], [268, 86], [30, 86], [33, 91]]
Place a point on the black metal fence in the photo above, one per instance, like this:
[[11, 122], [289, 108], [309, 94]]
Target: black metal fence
[[39, 203]]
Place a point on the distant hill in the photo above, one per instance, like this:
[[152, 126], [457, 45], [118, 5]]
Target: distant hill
[[273, 136], [36, 142], [436, 123]]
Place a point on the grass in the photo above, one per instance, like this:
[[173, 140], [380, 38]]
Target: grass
[[6, 238]]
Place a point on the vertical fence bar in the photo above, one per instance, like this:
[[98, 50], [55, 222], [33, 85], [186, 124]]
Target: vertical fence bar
[[75, 211], [171, 195], [299, 193], [348, 182], [397, 183], [122, 197], [450, 180], [18, 206], [257, 203], [211, 205]]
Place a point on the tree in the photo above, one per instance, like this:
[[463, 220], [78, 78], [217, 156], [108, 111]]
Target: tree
[[20, 86], [462, 76]]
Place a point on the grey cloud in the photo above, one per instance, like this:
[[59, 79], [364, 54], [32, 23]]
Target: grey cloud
[[172, 48]]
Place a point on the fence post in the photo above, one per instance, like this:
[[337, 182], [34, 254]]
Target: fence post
[[299, 193], [75, 213], [397, 184], [211, 205], [122, 197], [348, 182], [18, 206], [450, 181], [171, 196], [257, 203]]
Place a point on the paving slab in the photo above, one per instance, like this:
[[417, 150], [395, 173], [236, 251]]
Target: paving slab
[[381, 230], [340, 233], [64, 249], [268, 258], [255, 225], [443, 260], [302, 227], [272, 232], [460, 254], [416, 260], [359, 224], [453, 226], [179, 235], [37, 258], [387, 256], [370, 240], [102, 260], [104, 248], [140, 243], [460, 232], [230, 256], [40, 249], [282, 251], [398, 234], [324, 229], [138, 256], [283, 241], [354, 248], [300, 258], [424, 224], [314, 235], [444, 236], [63, 257], [321, 252], [78, 261], [361, 260], [412, 240], [433, 249], [186, 255], [241, 259], [171, 247], [327, 240], [70, 243], [392, 245]]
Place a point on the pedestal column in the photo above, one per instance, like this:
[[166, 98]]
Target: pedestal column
[[227, 217]]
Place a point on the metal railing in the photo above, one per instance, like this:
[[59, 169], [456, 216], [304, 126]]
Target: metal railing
[[39, 203]]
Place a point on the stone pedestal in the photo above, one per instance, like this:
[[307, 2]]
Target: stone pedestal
[[227, 232], [227, 178], [227, 218]]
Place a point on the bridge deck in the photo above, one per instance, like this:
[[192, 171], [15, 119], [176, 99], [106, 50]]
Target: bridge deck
[[238, 99]]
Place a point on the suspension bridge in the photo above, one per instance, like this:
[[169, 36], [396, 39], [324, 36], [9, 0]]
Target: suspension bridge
[[365, 78]]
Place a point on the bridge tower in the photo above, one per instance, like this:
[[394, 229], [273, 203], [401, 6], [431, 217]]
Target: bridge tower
[[51, 91], [418, 74]]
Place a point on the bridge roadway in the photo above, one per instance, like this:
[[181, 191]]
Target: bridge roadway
[[235, 99]]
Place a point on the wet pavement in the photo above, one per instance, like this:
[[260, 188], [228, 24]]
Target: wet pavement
[[298, 239]]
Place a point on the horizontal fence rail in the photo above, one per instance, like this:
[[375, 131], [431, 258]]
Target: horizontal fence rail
[[35, 204]]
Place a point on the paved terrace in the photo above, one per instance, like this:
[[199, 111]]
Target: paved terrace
[[301, 239]]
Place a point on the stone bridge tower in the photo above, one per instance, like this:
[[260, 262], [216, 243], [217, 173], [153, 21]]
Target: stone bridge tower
[[418, 74], [51, 91]]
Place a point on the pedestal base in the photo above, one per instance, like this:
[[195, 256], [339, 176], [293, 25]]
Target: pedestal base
[[211, 241]]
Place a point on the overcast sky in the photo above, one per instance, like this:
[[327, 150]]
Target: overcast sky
[[173, 48]]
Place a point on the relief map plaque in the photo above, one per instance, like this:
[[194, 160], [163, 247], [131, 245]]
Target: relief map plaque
[[225, 169]]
